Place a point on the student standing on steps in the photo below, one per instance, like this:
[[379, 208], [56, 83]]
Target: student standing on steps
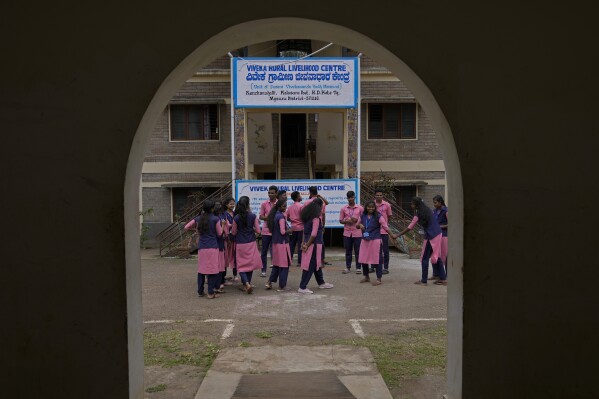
[[297, 226], [431, 247], [244, 229], [349, 217], [371, 223], [312, 247], [281, 256], [265, 208]]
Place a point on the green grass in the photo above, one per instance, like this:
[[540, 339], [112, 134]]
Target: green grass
[[407, 354], [244, 344], [157, 388], [171, 348], [264, 334]]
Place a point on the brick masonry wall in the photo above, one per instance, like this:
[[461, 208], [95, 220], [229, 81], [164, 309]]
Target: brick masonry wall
[[160, 149], [428, 192], [425, 147], [159, 199]]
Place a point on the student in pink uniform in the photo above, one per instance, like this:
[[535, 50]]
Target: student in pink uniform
[[244, 229], [220, 239], [281, 256], [228, 215], [209, 258], [440, 213], [384, 208], [431, 247], [265, 208], [312, 247], [313, 194], [371, 223], [352, 236], [297, 226]]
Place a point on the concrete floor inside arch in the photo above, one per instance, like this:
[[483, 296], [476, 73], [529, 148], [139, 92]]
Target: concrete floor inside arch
[[270, 332]]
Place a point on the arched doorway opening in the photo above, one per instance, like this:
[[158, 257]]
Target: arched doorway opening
[[271, 29]]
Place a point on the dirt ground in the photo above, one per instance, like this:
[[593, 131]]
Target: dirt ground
[[177, 320]]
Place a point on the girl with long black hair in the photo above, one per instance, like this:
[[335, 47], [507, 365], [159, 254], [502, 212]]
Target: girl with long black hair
[[440, 213], [431, 246], [281, 255], [209, 259], [371, 224], [244, 229], [227, 215], [312, 246]]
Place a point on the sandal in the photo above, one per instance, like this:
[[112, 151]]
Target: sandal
[[249, 289], [212, 296], [365, 280], [419, 282], [268, 286], [377, 282], [440, 282]]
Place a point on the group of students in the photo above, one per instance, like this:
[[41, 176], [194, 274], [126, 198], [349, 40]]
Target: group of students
[[227, 239], [366, 233]]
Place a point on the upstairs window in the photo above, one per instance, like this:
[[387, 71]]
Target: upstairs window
[[194, 122], [392, 121], [294, 47]]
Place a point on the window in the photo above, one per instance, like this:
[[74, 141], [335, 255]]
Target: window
[[294, 47], [194, 122], [392, 121]]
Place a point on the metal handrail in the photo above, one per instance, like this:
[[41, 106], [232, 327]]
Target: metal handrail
[[174, 234], [400, 219]]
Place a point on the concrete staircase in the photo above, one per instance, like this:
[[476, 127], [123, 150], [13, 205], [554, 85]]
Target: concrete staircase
[[294, 168]]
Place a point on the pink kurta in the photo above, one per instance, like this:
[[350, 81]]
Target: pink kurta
[[281, 255], [370, 251], [210, 260], [435, 243], [246, 254], [307, 256], [444, 249]]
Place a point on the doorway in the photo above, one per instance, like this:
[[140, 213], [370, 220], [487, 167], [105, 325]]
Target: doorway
[[293, 135], [235, 37]]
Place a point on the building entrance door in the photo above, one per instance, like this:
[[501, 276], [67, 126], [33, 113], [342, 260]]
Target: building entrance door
[[293, 135]]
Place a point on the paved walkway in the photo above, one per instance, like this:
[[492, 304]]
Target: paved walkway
[[354, 367]]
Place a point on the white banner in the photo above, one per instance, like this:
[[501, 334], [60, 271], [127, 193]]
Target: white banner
[[334, 191], [295, 83]]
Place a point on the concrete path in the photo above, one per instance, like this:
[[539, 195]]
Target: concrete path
[[355, 368]]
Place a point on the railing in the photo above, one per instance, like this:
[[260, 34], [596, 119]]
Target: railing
[[411, 242], [174, 239]]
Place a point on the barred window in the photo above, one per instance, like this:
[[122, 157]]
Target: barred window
[[194, 122], [392, 121]]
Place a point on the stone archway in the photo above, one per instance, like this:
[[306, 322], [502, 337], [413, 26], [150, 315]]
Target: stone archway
[[264, 30]]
